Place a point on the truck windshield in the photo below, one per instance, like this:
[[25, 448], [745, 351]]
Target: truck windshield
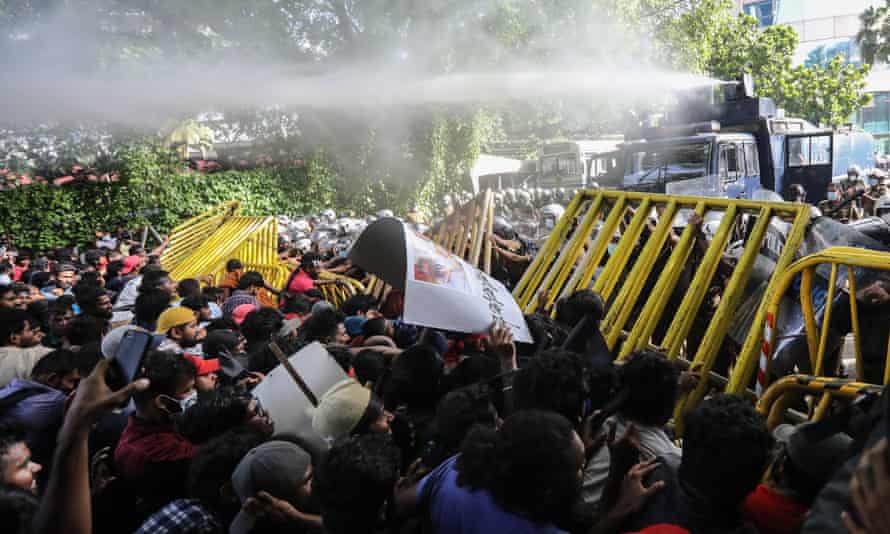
[[668, 163]]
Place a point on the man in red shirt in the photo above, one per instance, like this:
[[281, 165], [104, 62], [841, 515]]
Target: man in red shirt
[[806, 461], [151, 457], [303, 279]]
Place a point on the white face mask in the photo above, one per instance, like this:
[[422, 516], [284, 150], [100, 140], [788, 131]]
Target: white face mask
[[189, 401], [184, 404], [832, 195], [873, 182], [5, 279]]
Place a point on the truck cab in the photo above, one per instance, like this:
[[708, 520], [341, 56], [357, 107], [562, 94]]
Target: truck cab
[[575, 163], [711, 164], [729, 143]]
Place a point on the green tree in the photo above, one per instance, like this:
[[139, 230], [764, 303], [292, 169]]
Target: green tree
[[874, 34], [728, 45]]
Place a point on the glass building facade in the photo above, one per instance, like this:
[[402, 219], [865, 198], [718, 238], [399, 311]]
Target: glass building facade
[[826, 29]]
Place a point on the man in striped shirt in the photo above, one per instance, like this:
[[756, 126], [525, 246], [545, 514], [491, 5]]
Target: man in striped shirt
[[248, 286]]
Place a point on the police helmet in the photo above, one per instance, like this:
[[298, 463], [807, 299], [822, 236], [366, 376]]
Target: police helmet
[[502, 228]]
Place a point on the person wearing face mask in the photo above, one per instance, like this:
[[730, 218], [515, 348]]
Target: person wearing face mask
[[152, 457], [833, 206], [874, 191]]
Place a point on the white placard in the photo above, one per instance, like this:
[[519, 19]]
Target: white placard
[[443, 291], [288, 407]]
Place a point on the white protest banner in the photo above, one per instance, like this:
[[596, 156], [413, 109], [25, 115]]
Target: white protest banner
[[288, 406], [441, 290]]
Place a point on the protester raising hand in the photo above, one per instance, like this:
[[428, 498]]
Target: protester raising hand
[[94, 398], [500, 343], [870, 493], [66, 505]]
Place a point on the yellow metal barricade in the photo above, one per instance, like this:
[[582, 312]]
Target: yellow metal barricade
[[189, 235], [840, 261], [466, 232], [578, 255], [249, 239], [789, 391], [344, 288]]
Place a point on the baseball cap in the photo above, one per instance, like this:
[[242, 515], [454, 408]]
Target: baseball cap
[[311, 259], [130, 263], [354, 325], [203, 367], [340, 409], [290, 326], [276, 467], [173, 317], [65, 267], [240, 312], [320, 306], [814, 448], [112, 340]]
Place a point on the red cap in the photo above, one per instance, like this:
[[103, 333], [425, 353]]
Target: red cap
[[130, 263], [240, 313], [204, 367]]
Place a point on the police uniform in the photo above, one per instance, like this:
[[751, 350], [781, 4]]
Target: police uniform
[[842, 214]]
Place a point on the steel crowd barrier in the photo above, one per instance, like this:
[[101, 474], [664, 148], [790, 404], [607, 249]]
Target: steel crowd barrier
[[787, 392], [344, 288], [840, 260], [250, 239], [189, 235], [575, 257], [466, 232]]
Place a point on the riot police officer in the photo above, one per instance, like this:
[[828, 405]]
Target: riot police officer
[[796, 193], [834, 205]]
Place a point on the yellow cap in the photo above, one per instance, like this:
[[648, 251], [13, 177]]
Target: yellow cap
[[173, 317]]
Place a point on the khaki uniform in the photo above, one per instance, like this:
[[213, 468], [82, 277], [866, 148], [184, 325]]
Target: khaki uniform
[[843, 214]]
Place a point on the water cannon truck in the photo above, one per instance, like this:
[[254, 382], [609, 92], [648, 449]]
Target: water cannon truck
[[723, 141]]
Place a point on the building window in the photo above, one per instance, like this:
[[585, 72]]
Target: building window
[[810, 150], [762, 11]]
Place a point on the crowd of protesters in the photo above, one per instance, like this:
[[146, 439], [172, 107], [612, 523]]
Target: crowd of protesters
[[433, 432]]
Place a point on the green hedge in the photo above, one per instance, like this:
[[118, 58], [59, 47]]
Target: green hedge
[[42, 217]]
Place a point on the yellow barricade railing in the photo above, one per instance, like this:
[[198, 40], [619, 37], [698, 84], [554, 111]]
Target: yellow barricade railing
[[249, 239], [789, 391], [338, 293], [577, 256], [189, 235], [466, 232], [841, 261]]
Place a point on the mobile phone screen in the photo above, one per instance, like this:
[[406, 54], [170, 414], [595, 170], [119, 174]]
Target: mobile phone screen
[[130, 352]]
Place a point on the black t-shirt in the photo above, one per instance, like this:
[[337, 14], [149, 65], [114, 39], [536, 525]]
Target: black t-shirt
[[678, 505]]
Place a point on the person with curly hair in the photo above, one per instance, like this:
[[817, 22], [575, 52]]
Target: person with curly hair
[[726, 449], [523, 478], [651, 382]]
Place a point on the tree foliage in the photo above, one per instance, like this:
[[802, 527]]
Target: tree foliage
[[726, 45], [367, 161], [873, 37], [156, 188]]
